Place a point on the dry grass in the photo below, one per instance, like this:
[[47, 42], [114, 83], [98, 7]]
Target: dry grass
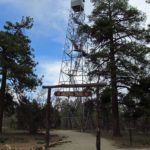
[[139, 140], [21, 140]]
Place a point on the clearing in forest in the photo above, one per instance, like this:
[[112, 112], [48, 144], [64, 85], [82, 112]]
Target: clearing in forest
[[85, 141]]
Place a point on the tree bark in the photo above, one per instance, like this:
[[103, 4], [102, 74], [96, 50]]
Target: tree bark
[[115, 111], [113, 72], [48, 107], [98, 135], [2, 96]]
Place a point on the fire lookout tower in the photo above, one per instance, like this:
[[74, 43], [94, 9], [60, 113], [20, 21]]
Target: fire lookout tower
[[73, 67], [73, 70]]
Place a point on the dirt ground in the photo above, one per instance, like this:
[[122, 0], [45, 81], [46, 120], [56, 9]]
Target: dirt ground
[[23, 141], [84, 141], [60, 140]]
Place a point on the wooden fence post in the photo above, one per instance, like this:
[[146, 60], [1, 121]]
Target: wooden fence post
[[48, 106]]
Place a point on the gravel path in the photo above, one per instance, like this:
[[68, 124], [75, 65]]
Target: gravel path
[[83, 141]]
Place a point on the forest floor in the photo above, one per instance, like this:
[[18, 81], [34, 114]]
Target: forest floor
[[22, 140], [85, 141], [60, 140]]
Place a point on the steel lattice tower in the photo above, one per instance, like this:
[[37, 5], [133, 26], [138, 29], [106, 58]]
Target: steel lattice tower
[[73, 68]]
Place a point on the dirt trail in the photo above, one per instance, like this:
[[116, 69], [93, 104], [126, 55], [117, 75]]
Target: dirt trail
[[84, 141]]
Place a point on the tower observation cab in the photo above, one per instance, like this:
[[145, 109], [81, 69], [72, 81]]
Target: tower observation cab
[[77, 5]]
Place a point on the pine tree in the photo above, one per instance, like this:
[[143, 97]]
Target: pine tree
[[119, 51], [17, 65]]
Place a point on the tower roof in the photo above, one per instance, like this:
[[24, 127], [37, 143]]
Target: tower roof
[[77, 5]]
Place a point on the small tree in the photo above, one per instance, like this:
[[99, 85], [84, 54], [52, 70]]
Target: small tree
[[29, 115], [17, 65], [138, 102]]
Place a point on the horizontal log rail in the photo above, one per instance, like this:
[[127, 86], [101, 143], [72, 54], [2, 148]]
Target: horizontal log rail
[[101, 84]]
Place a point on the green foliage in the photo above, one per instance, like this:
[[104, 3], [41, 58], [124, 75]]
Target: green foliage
[[141, 91], [106, 96], [117, 26], [9, 104], [137, 105], [131, 110], [119, 47], [29, 115], [17, 65], [106, 108], [26, 23], [17, 55]]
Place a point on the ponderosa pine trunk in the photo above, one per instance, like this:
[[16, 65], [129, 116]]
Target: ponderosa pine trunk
[[115, 111], [98, 134], [2, 96], [114, 91]]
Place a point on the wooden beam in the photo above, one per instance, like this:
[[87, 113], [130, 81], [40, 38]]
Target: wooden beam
[[102, 84]]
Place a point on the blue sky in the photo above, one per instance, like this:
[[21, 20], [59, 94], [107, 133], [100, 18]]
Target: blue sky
[[48, 33]]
